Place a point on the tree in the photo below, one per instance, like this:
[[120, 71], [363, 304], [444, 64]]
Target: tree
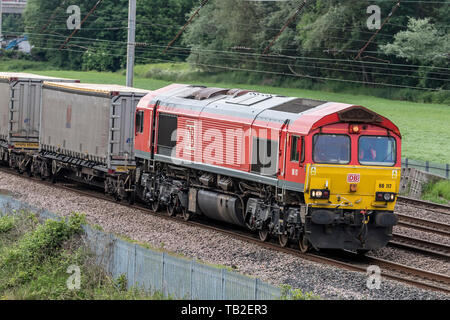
[[421, 43]]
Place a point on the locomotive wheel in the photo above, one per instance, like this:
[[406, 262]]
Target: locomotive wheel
[[303, 244], [283, 240], [263, 235], [131, 197], [155, 206], [186, 214], [172, 208]]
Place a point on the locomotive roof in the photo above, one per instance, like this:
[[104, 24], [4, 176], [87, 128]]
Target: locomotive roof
[[29, 76], [302, 115], [104, 89]]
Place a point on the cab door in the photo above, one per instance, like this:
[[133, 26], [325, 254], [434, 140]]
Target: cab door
[[295, 159]]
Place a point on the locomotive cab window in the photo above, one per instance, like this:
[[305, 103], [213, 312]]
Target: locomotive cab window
[[295, 154], [377, 151], [167, 126], [331, 148], [139, 122]]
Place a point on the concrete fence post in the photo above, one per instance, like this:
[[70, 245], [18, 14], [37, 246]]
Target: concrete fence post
[[191, 280], [406, 162], [256, 289], [447, 171], [163, 261], [223, 285], [427, 166]]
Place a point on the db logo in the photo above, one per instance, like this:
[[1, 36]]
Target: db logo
[[353, 177]]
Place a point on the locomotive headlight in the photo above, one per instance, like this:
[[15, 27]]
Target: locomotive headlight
[[320, 194], [385, 196]]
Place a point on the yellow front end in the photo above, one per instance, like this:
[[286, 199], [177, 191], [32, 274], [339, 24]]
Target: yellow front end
[[352, 187]]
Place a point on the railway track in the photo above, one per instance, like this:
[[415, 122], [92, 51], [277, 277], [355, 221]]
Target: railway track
[[406, 274], [424, 225], [441, 208], [429, 247]]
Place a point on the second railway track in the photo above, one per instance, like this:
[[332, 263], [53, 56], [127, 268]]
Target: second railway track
[[391, 270]]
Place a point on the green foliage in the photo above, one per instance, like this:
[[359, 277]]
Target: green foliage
[[6, 224], [438, 192], [230, 35], [35, 265], [421, 43], [12, 21], [46, 24], [287, 293]]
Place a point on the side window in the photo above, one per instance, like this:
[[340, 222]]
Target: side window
[[167, 125], [295, 154], [303, 150], [139, 122]]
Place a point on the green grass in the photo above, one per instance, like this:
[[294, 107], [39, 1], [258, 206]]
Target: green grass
[[438, 192], [424, 126], [34, 261]]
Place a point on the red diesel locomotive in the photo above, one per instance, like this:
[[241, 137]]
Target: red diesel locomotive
[[322, 174]]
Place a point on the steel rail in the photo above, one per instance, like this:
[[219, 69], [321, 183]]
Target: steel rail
[[441, 208], [424, 225], [420, 245], [413, 276]]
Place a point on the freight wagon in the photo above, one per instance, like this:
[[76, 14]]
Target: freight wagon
[[20, 108], [87, 134]]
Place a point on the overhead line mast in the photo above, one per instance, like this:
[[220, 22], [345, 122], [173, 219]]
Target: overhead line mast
[[203, 3]]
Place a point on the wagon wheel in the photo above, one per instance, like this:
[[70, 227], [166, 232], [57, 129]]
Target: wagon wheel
[[283, 240], [29, 171], [172, 207], [263, 235], [303, 244]]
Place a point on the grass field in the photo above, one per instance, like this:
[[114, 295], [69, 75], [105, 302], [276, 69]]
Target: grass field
[[425, 127]]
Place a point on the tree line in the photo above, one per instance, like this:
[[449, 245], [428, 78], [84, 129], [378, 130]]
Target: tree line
[[412, 50]]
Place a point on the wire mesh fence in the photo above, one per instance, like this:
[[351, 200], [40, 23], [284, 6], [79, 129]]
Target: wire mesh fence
[[155, 271], [442, 170]]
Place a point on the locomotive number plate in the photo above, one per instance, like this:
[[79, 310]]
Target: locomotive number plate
[[353, 177]]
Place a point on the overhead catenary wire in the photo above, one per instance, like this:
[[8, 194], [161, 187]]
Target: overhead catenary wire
[[268, 72], [85, 18], [202, 4], [381, 27], [368, 63]]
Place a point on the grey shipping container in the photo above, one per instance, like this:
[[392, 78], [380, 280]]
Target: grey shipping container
[[93, 122], [20, 105]]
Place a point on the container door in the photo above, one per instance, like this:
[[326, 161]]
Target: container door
[[25, 110], [122, 117]]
